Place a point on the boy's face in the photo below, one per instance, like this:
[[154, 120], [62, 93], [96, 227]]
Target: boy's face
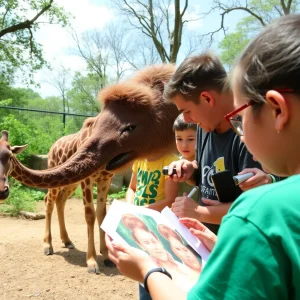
[[198, 113], [186, 142]]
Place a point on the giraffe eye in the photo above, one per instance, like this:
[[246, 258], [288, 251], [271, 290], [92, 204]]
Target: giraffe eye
[[128, 128]]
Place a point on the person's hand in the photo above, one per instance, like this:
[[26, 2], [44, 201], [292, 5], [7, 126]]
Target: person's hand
[[259, 178], [131, 262], [206, 237], [185, 207], [210, 202], [184, 165]]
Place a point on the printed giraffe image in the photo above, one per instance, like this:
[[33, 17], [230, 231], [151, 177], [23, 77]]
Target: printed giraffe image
[[60, 151], [135, 122]]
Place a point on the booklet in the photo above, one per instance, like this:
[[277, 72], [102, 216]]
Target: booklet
[[168, 242]]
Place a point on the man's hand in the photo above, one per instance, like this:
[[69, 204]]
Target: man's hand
[[184, 168], [131, 262], [207, 237], [259, 178], [185, 207]]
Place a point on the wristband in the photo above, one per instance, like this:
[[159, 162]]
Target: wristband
[[273, 178], [161, 270]]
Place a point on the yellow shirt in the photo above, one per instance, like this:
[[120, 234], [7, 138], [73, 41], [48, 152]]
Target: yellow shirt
[[150, 186]]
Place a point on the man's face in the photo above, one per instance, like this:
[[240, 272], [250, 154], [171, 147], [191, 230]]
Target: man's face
[[198, 113]]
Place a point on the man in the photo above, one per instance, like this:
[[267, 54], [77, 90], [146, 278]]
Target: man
[[199, 90]]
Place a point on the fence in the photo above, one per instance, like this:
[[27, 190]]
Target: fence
[[70, 122], [38, 128]]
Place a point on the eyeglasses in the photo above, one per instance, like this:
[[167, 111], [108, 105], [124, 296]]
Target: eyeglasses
[[236, 123]]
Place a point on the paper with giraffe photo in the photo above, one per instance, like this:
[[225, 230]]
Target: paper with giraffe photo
[[168, 242]]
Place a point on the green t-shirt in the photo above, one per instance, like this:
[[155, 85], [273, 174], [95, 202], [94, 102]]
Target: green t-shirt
[[257, 255]]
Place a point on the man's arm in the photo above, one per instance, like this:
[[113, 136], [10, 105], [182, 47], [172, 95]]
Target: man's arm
[[187, 207]]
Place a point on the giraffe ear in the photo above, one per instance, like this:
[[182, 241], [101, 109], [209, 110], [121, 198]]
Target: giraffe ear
[[18, 149]]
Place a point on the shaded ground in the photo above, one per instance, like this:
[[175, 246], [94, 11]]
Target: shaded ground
[[25, 272]]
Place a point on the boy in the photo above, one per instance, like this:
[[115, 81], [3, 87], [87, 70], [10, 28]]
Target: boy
[[185, 136], [149, 187]]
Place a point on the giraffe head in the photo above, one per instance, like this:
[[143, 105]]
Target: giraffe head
[[135, 123], [6, 152]]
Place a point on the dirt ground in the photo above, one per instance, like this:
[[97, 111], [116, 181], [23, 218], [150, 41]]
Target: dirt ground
[[25, 272]]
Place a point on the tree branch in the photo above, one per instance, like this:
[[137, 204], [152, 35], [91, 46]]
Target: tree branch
[[26, 24]]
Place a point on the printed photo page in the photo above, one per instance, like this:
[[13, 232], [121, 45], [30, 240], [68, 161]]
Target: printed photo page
[[168, 242]]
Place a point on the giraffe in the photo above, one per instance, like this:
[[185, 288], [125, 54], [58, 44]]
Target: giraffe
[[6, 152], [135, 122], [60, 151]]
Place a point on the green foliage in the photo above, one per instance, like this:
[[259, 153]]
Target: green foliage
[[83, 94], [18, 47], [19, 134], [120, 195], [263, 13], [78, 193], [231, 46], [21, 198]]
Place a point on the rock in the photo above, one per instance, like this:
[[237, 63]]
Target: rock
[[116, 184]]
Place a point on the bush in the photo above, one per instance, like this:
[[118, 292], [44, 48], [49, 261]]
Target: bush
[[21, 198], [119, 195]]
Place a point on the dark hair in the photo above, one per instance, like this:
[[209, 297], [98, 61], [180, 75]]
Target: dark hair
[[181, 125], [271, 60], [194, 75]]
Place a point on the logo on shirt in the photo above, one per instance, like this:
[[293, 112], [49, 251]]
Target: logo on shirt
[[207, 187], [146, 187]]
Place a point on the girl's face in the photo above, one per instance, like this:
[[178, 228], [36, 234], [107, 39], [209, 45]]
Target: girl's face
[[151, 244], [185, 254], [185, 142], [260, 135]]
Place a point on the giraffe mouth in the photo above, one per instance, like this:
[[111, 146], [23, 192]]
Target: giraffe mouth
[[4, 195], [119, 161]]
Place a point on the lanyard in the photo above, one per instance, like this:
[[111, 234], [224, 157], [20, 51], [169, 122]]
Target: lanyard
[[198, 182]]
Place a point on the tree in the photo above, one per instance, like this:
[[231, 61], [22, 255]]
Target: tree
[[19, 50], [18, 97], [92, 47], [162, 21], [259, 13], [83, 94], [118, 45], [60, 79]]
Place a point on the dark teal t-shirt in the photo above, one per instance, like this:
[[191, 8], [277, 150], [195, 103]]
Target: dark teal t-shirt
[[257, 255]]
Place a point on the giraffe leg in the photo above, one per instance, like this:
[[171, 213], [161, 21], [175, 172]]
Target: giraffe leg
[[102, 189], [49, 203], [90, 216], [61, 200]]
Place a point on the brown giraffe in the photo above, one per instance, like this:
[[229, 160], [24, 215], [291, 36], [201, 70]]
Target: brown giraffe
[[135, 122], [60, 151], [6, 152]]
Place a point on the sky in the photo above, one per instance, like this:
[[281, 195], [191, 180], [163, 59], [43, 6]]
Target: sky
[[59, 46]]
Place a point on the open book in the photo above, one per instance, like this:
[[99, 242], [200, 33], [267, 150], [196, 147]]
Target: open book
[[169, 243]]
